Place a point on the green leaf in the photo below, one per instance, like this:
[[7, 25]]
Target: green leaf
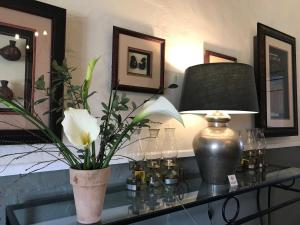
[[119, 119], [127, 136], [104, 117], [125, 100], [133, 105], [173, 86], [39, 101], [122, 108], [115, 104], [40, 83], [91, 94], [104, 106], [58, 68]]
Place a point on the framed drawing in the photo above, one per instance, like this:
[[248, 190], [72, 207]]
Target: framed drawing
[[275, 69], [214, 57], [32, 34], [137, 61]]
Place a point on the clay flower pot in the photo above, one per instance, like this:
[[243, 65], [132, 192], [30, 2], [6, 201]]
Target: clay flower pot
[[89, 187]]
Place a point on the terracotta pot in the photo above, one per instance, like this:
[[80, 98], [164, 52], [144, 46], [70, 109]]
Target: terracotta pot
[[89, 187]]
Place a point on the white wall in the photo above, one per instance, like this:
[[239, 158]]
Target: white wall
[[189, 26]]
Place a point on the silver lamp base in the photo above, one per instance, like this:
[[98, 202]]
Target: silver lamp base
[[217, 149]]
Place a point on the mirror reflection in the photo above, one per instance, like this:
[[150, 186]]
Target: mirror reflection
[[16, 46]]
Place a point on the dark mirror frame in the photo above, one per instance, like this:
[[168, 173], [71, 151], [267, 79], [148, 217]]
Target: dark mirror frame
[[58, 17]]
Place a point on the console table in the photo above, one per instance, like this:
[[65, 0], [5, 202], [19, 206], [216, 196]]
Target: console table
[[126, 207]]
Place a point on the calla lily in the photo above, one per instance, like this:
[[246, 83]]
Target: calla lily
[[87, 82], [80, 127], [159, 106], [89, 72]]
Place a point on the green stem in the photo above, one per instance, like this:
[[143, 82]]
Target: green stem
[[68, 155], [119, 140], [94, 155]]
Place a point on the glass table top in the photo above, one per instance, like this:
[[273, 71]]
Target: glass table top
[[132, 206]]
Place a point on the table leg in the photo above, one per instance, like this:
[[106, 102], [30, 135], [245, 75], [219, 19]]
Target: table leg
[[269, 205], [258, 206]]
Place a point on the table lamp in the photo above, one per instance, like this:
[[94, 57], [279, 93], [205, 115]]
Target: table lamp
[[217, 90]]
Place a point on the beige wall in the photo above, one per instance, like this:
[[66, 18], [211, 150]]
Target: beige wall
[[189, 26]]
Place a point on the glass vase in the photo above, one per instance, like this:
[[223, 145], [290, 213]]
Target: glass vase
[[169, 154], [136, 157], [153, 157]]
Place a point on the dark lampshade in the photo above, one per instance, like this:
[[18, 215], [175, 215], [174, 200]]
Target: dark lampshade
[[227, 87]]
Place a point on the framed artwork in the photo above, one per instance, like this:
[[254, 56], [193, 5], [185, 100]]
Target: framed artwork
[[137, 61], [32, 34], [215, 57], [276, 81]]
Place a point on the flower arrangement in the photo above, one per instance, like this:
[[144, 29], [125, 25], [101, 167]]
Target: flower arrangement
[[82, 129]]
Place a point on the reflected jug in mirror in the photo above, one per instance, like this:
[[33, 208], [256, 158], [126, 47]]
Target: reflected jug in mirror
[[5, 91], [11, 51]]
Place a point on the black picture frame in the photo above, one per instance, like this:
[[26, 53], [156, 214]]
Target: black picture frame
[[276, 79], [57, 16], [156, 66]]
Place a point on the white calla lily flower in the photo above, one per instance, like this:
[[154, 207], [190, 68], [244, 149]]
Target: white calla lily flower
[[159, 106], [80, 127]]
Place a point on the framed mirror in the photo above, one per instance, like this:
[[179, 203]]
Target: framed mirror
[[32, 35]]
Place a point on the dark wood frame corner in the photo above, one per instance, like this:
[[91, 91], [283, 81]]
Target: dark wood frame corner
[[208, 53], [260, 75], [115, 61], [58, 17]]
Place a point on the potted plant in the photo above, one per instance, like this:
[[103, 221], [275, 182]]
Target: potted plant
[[89, 166]]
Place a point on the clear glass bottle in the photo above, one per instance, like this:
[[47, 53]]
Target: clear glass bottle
[[136, 157], [153, 157], [261, 147], [169, 144], [153, 152], [169, 154], [250, 149]]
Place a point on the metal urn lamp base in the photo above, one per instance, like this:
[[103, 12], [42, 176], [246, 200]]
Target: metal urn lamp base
[[217, 90], [217, 149]]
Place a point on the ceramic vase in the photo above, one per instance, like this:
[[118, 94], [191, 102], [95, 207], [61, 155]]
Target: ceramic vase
[[11, 51], [89, 187]]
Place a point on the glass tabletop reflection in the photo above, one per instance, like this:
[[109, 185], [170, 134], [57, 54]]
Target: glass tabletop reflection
[[132, 206]]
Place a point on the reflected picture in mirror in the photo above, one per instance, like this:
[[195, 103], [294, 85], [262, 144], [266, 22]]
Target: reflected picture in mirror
[[16, 63]]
